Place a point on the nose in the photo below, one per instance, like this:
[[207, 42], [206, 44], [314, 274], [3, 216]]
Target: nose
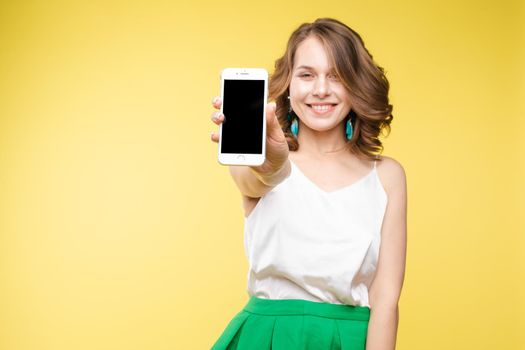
[[321, 87]]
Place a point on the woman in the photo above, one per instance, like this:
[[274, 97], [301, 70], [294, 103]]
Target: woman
[[325, 227]]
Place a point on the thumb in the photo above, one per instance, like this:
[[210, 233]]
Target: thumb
[[271, 118]]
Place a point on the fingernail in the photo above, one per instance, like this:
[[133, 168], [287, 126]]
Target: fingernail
[[215, 99]]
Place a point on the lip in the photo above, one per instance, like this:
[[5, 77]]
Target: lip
[[329, 110]]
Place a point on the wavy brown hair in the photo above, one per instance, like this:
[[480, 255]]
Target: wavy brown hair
[[362, 77]]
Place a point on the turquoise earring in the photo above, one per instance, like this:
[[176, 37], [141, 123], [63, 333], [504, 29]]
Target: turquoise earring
[[349, 129], [295, 127], [295, 124]]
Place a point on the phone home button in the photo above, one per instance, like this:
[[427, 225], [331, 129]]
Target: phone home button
[[240, 158]]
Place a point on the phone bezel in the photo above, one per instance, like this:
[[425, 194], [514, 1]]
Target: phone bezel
[[244, 74]]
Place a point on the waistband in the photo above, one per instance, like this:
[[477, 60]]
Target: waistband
[[283, 307]]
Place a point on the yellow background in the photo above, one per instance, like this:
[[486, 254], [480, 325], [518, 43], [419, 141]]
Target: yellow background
[[120, 230]]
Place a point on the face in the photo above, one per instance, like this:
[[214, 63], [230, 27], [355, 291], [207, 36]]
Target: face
[[317, 96]]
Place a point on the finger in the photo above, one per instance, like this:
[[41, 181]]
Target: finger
[[217, 117], [214, 136], [216, 102]]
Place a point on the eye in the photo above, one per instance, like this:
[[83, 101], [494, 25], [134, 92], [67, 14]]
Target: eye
[[334, 77], [305, 75]]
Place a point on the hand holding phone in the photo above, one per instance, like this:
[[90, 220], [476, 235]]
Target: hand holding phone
[[276, 147]]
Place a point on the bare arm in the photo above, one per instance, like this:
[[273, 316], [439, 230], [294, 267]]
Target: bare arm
[[386, 287], [256, 184]]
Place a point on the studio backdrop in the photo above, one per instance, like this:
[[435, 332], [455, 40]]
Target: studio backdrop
[[120, 230]]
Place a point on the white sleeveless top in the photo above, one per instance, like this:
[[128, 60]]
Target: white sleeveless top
[[305, 243]]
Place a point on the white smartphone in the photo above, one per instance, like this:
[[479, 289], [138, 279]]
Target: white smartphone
[[244, 93]]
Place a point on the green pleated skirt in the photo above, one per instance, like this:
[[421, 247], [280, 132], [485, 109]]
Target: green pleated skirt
[[294, 324]]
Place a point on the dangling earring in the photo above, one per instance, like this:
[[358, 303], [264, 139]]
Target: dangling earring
[[291, 117], [295, 128], [349, 129]]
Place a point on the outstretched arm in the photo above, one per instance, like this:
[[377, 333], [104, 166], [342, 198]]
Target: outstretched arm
[[255, 181]]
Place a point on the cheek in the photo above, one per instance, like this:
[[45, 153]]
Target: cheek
[[343, 95], [299, 89]]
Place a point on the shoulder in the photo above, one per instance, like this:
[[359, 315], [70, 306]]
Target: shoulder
[[392, 174]]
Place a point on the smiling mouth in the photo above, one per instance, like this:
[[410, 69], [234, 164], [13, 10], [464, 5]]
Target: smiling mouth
[[322, 108]]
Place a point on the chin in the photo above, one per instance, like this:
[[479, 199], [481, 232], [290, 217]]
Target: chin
[[321, 124]]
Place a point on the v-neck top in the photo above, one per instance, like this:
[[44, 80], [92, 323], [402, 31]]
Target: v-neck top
[[303, 242]]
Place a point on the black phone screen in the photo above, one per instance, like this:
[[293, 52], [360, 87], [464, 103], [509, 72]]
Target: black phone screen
[[243, 108]]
